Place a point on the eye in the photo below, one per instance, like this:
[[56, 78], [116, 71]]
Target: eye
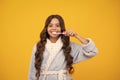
[[50, 25], [57, 25]]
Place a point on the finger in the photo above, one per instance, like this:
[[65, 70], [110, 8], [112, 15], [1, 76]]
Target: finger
[[65, 33], [72, 34], [69, 33]]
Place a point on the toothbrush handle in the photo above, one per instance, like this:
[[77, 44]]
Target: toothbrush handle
[[63, 33]]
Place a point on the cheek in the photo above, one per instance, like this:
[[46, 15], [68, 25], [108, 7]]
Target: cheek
[[59, 29]]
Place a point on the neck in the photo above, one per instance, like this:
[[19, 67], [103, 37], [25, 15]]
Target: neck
[[53, 40]]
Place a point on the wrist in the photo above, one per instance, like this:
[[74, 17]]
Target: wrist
[[81, 39], [76, 35]]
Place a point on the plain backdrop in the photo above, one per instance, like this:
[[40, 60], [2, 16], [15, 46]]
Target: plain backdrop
[[21, 22]]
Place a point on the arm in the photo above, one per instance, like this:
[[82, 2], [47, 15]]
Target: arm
[[81, 39], [87, 44], [84, 51], [32, 71], [74, 34]]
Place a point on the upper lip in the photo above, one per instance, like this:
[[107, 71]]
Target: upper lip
[[53, 31]]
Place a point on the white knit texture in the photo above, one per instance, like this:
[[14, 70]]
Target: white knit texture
[[53, 49]]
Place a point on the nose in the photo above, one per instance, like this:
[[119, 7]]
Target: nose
[[54, 27]]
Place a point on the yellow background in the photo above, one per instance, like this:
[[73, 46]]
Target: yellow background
[[21, 21]]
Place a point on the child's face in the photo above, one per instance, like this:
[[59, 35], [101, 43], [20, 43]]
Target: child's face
[[54, 26]]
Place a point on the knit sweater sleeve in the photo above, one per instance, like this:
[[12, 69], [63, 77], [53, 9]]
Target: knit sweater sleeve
[[32, 71], [83, 51]]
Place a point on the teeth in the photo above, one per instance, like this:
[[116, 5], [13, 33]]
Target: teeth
[[57, 33], [54, 32]]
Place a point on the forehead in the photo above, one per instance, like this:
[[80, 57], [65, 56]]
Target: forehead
[[54, 20]]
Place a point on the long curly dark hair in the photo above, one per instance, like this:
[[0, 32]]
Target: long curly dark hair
[[41, 46]]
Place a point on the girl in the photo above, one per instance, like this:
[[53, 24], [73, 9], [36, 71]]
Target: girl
[[54, 55]]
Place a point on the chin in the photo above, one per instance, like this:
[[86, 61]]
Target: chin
[[56, 36]]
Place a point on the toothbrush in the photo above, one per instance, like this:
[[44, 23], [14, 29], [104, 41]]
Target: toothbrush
[[57, 33]]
